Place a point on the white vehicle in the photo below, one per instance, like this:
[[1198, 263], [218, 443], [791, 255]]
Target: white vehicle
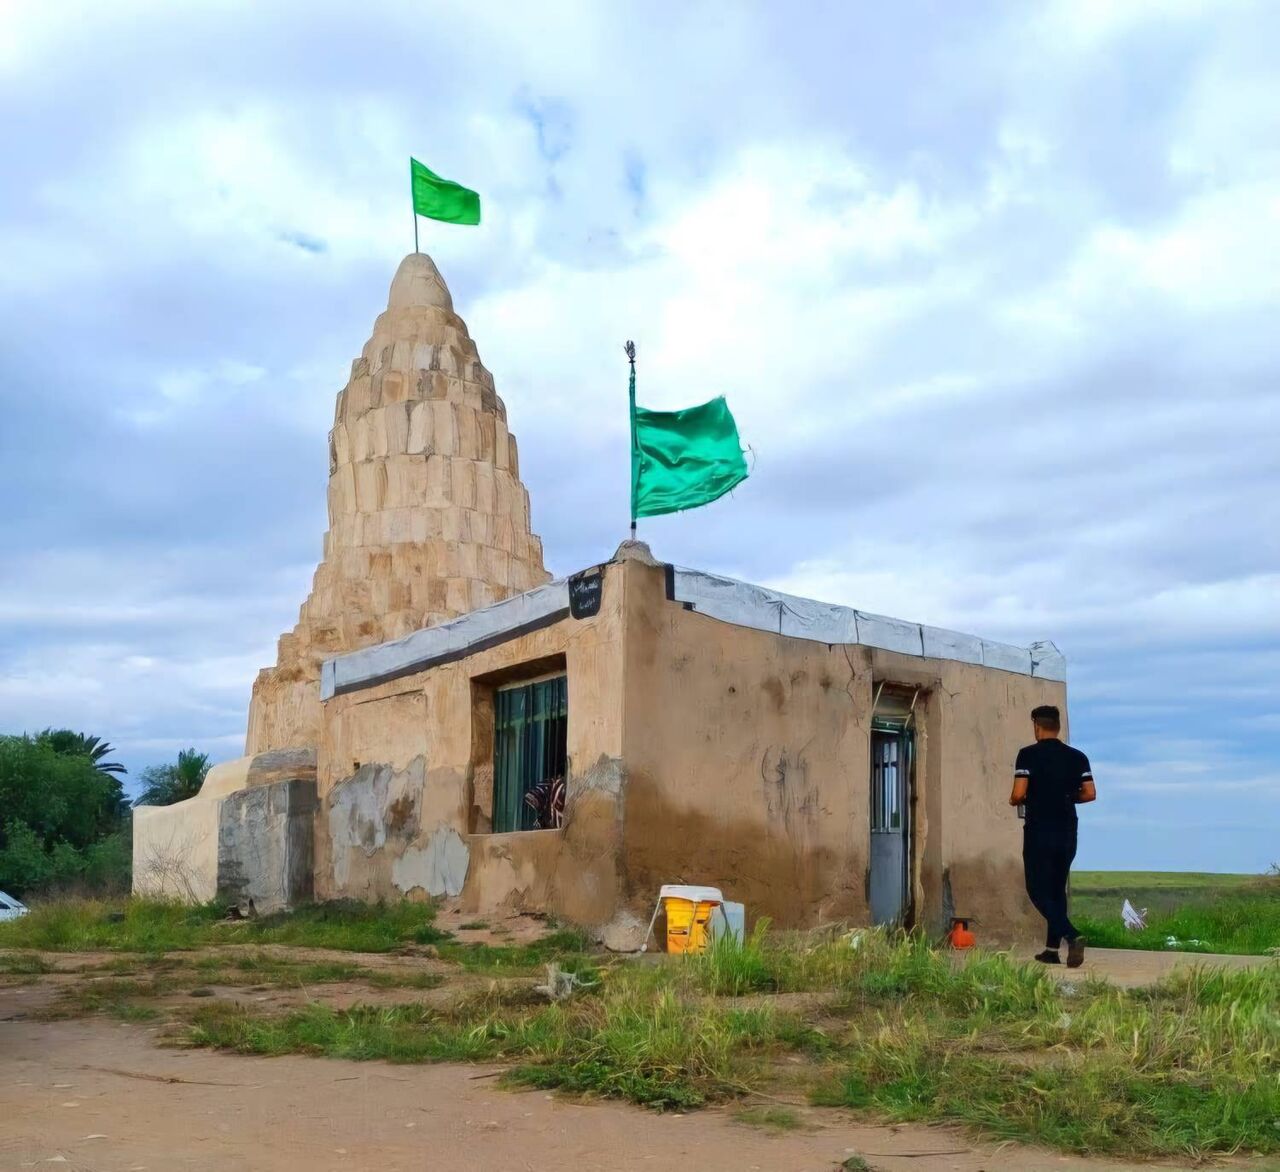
[[10, 908]]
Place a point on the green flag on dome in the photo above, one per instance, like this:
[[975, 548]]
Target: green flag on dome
[[442, 199]]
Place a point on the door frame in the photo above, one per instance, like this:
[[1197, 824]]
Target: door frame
[[904, 730]]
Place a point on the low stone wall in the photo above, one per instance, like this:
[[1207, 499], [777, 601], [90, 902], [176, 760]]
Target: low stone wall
[[265, 844], [175, 850], [248, 834]]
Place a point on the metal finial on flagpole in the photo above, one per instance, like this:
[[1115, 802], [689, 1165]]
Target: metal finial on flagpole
[[630, 350]]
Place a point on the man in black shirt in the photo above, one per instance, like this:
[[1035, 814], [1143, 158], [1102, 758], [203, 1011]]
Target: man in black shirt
[[1050, 779]]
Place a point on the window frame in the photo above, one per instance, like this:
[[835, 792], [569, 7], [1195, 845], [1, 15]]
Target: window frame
[[530, 746]]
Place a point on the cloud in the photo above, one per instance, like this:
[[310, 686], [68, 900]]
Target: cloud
[[990, 290]]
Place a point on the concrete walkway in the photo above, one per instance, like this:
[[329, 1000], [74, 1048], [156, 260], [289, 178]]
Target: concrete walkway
[[1131, 968]]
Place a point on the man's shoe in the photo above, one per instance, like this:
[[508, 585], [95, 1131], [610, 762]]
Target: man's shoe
[[1048, 956], [1075, 953]]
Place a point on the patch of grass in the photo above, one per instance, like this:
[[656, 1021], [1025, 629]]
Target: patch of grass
[[661, 1051], [775, 1119], [130, 925], [119, 997], [1242, 917], [1098, 1104], [390, 979], [473, 926], [896, 1029], [125, 993], [129, 965], [265, 968], [567, 947], [872, 967], [137, 925], [350, 926], [24, 964], [661, 1047], [1176, 885], [1189, 1067], [402, 1033]]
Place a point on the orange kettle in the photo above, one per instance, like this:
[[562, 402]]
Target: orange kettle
[[960, 936]]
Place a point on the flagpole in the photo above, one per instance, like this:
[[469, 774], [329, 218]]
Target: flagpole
[[630, 349], [414, 207]]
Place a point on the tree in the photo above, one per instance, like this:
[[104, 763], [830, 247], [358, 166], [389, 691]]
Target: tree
[[68, 743], [56, 809], [74, 744], [162, 785]]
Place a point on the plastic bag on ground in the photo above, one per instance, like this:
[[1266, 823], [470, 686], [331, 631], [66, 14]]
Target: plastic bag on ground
[[1134, 920]]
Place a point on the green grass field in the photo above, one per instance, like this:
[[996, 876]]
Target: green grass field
[[902, 1032], [891, 1026], [1201, 912]]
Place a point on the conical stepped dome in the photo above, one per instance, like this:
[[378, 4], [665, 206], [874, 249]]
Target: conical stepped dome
[[427, 515]]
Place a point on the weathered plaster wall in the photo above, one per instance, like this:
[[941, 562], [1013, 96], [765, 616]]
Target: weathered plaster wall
[[228, 777], [265, 844], [745, 754], [248, 832], [748, 768], [175, 850], [405, 780], [699, 752], [985, 721]]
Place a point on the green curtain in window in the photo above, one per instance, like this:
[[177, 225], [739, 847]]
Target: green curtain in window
[[529, 747], [510, 718]]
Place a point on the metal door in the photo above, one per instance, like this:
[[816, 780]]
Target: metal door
[[890, 823]]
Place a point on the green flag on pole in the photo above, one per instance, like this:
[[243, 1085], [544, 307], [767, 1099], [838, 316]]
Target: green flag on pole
[[442, 199], [681, 459]]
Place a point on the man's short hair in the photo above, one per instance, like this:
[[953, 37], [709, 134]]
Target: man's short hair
[[1047, 717]]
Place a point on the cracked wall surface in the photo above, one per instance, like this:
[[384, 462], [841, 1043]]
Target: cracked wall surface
[[700, 752], [248, 833], [406, 781], [748, 768], [266, 845]]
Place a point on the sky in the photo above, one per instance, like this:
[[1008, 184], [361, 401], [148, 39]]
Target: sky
[[991, 289]]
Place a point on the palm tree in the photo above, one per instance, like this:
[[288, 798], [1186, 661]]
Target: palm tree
[[162, 785], [73, 744]]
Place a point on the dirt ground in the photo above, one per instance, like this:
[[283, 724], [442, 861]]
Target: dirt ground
[[93, 1095]]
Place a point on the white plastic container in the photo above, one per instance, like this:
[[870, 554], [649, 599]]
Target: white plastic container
[[729, 919]]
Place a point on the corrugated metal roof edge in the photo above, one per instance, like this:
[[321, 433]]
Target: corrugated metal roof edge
[[760, 608], [725, 599]]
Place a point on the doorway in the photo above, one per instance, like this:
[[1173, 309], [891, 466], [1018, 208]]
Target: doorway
[[892, 760]]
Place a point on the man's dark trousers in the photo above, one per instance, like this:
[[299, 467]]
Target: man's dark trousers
[[1047, 853]]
